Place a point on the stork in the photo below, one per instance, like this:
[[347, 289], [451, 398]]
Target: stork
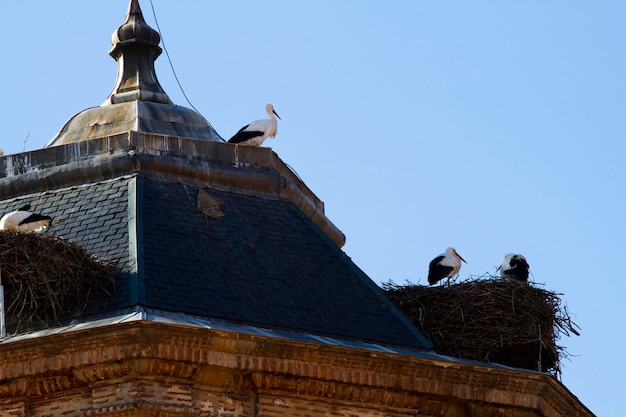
[[514, 267], [445, 265], [22, 220], [255, 133]]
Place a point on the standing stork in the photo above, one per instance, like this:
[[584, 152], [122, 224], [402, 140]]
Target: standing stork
[[255, 133], [22, 220], [445, 265], [514, 267]]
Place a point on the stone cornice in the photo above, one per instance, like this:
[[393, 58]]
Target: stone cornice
[[236, 362], [241, 169]]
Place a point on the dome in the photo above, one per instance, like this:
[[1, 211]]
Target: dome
[[137, 101]]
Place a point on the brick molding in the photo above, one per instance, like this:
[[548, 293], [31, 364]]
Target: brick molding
[[147, 368]]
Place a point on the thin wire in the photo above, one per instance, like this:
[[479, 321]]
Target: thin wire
[[294, 171], [167, 54], [168, 57], [25, 139]]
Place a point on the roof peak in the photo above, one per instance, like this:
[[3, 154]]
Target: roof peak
[[135, 48], [137, 102]]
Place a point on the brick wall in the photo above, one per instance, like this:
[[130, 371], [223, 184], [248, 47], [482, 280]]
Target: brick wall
[[151, 369]]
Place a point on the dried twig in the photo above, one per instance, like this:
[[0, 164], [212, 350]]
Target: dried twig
[[489, 319], [48, 280]]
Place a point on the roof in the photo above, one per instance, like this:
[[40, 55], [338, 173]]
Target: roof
[[137, 101], [195, 248], [256, 260]]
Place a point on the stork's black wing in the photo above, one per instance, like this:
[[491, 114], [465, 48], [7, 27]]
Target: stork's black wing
[[436, 271], [243, 135]]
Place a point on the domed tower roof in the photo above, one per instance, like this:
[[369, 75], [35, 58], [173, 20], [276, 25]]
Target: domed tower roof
[[137, 101]]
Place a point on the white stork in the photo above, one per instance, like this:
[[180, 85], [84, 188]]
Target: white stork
[[445, 265], [256, 132], [22, 220], [514, 267]]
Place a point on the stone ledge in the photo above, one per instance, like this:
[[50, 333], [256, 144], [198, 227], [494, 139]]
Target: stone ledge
[[224, 166], [148, 353]]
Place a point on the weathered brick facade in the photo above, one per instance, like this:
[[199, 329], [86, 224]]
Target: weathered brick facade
[[155, 369]]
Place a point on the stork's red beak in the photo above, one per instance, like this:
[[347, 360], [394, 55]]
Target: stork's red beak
[[460, 257]]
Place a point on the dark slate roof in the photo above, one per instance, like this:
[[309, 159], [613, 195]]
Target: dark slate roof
[[221, 255], [94, 216], [256, 260]]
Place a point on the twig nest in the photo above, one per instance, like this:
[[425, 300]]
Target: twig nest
[[48, 280], [489, 320]]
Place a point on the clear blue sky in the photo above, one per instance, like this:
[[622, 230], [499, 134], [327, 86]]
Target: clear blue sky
[[491, 126]]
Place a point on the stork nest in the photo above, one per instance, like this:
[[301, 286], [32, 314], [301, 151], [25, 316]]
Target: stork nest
[[490, 320], [48, 280]]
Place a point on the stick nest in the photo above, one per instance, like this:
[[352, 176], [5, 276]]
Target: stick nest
[[48, 280], [489, 320]]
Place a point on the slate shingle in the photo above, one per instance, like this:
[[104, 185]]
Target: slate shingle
[[263, 263], [247, 259], [75, 212]]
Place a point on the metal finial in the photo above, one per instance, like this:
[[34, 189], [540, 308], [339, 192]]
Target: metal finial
[[135, 48]]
